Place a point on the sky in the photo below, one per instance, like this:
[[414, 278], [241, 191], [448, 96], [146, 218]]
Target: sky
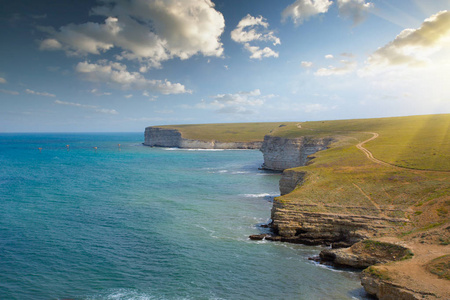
[[123, 65]]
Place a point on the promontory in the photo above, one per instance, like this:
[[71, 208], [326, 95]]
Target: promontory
[[377, 191]]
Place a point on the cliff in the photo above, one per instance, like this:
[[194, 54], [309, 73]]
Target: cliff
[[283, 153], [163, 137]]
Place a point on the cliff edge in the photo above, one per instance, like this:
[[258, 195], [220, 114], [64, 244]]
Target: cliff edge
[[166, 137], [284, 153]]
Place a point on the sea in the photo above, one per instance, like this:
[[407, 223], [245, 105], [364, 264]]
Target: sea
[[100, 216]]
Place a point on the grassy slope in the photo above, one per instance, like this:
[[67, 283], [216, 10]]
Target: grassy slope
[[230, 132], [341, 179], [419, 142]]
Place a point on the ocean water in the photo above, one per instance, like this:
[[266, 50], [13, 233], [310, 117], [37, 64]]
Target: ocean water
[[134, 222]]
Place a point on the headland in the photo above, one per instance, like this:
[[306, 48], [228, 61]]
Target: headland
[[377, 191]]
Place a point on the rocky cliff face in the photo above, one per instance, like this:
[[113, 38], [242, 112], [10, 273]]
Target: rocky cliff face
[[314, 224], [283, 153], [163, 137], [290, 180]]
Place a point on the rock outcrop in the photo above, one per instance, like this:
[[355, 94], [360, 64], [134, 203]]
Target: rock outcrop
[[284, 153], [366, 253], [164, 137], [377, 282]]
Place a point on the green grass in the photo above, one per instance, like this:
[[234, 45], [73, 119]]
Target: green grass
[[227, 132], [417, 142], [387, 250], [440, 266], [381, 274]]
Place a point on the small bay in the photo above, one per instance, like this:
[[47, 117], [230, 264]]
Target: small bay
[[133, 222]]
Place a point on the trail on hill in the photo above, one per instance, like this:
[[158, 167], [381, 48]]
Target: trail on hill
[[369, 154]]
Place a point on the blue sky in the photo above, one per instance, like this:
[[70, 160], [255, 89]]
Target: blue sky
[[122, 65]]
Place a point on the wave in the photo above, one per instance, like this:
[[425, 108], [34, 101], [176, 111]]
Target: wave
[[119, 294], [263, 195], [192, 149]]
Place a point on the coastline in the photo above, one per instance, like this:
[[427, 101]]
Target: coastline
[[343, 232]]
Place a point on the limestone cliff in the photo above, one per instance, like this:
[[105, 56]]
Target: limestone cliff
[[314, 224], [284, 153], [164, 137]]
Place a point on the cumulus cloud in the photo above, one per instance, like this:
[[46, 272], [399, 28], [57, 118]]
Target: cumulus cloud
[[354, 9], [259, 53], [238, 103], [347, 67], [31, 92], [329, 56], [50, 45], [116, 74], [90, 107], [246, 31], [251, 30], [150, 31], [302, 10], [412, 47], [307, 64], [2, 80], [9, 92]]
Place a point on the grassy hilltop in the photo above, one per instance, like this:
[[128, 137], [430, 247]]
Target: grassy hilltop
[[227, 132]]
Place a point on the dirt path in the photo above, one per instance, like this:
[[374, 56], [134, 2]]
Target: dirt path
[[412, 275], [371, 200], [377, 161], [369, 154]]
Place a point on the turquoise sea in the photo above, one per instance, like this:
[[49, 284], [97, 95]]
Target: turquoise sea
[[134, 222]]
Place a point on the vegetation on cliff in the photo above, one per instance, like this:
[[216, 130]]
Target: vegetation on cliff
[[227, 132], [342, 180]]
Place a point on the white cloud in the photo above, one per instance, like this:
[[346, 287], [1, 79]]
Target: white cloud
[[50, 45], [259, 53], [96, 92], [246, 31], [150, 31], [116, 74], [354, 9], [412, 47], [302, 10], [347, 67], [2, 80], [329, 56], [128, 96], [238, 103], [249, 30], [31, 92], [307, 64], [9, 92], [90, 107]]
